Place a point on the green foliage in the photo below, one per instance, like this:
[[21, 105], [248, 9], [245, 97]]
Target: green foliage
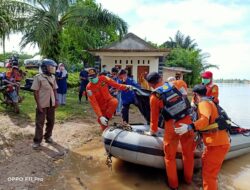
[[180, 41], [185, 53], [12, 17], [189, 59], [73, 80], [49, 22], [73, 77], [71, 111]]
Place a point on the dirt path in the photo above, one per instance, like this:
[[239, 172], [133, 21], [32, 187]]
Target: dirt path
[[24, 168]]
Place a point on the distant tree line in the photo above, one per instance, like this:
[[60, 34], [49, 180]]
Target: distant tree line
[[238, 81]]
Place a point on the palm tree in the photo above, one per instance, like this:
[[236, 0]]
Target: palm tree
[[48, 18], [11, 18], [180, 41], [205, 64]]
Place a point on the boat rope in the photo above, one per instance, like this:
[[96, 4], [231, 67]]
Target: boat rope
[[123, 127], [239, 130]]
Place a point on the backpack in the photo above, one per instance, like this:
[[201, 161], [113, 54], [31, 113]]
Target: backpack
[[176, 106]]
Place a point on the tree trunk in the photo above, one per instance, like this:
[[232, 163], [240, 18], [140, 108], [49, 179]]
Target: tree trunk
[[4, 49]]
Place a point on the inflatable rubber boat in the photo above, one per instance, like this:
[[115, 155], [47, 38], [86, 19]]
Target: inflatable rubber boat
[[133, 146], [130, 144]]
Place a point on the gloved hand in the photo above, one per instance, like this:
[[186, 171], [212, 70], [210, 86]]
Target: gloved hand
[[104, 121], [129, 87], [183, 129]]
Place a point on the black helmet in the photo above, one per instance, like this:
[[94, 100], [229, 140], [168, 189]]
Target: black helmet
[[153, 77], [45, 63], [200, 89]]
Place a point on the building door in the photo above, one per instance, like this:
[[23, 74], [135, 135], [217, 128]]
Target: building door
[[141, 72], [129, 69], [118, 66]]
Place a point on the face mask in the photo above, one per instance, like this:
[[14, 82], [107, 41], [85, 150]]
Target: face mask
[[205, 81], [94, 80]]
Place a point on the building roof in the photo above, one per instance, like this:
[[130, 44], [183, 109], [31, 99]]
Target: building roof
[[178, 69], [129, 43]]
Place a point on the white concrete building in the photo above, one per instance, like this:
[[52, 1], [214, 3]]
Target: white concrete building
[[133, 53]]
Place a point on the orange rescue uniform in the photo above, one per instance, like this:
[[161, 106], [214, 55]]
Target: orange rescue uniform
[[101, 101], [217, 144], [171, 140], [213, 90], [10, 74]]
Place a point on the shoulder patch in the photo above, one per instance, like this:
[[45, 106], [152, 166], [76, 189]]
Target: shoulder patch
[[214, 89], [165, 87]]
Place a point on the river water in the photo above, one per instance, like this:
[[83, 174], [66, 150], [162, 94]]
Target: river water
[[85, 167]]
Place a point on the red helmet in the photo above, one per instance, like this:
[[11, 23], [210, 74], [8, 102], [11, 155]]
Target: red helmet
[[207, 75]]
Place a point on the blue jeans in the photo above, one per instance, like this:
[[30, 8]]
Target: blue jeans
[[14, 96]]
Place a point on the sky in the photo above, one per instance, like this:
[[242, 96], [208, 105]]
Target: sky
[[220, 28]]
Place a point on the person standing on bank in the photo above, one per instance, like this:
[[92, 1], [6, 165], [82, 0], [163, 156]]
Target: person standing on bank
[[45, 86], [61, 78], [215, 139], [83, 84]]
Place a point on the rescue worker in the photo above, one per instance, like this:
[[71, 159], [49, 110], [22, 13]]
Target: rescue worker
[[171, 139], [216, 141], [212, 89], [128, 97], [100, 98]]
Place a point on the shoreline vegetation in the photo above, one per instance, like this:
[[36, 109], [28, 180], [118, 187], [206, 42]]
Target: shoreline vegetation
[[236, 81]]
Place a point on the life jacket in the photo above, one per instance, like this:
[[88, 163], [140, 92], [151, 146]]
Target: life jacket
[[222, 122], [176, 106]]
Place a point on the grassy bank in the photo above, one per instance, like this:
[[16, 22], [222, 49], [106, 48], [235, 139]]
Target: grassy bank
[[72, 110], [73, 78]]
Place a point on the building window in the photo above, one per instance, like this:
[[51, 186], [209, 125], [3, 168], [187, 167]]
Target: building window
[[148, 61], [143, 62], [138, 61], [115, 61], [131, 61], [126, 61], [120, 61]]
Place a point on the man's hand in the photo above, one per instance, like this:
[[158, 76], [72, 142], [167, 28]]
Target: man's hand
[[104, 121], [56, 104], [183, 129], [40, 109]]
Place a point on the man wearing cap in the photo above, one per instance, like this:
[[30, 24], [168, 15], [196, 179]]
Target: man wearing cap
[[216, 141], [45, 94], [100, 98], [212, 89], [171, 139], [128, 97]]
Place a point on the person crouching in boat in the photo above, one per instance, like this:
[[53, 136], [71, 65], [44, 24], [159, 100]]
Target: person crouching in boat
[[216, 141], [164, 96], [100, 98]]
